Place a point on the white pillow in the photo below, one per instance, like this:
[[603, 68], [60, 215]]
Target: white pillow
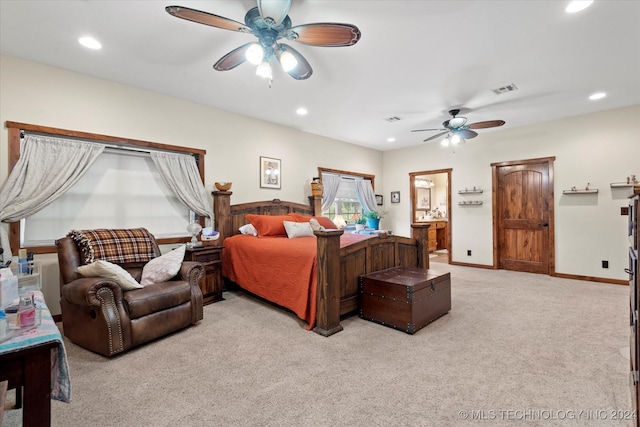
[[101, 268], [315, 225], [298, 229], [164, 267], [248, 229]]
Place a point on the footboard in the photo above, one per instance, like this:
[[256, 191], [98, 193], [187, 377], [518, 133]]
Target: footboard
[[373, 255], [339, 269]]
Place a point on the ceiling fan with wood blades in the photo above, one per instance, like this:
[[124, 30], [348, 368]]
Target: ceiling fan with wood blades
[[270, 23], [457, 130]]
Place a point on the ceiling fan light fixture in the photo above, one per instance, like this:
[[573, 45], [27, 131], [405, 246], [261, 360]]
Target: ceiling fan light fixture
[[270, 22], [255, 54], [287, 60], [276, 10], [264, 70], [457, 122], [456, 130]]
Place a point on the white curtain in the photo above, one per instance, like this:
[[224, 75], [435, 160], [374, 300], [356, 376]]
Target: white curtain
[[46, 169], [181, 175], [330, 184], [365, 194]]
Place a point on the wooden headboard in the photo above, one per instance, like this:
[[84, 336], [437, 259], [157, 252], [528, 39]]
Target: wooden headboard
[[229, 218]]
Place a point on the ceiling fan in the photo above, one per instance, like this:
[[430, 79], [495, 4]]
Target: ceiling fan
[[270, 23], [457, 129]]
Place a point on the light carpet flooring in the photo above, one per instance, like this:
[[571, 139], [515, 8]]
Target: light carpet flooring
[[516, 349]]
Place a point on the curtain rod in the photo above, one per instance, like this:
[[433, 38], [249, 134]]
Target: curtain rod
[[120, 148], [128, 147], [141, 150], [351, 177], [62, 133]]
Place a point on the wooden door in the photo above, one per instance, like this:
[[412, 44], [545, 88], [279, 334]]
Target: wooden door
[[523, 215]]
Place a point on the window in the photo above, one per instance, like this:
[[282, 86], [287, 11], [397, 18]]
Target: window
[[346, 204], [143, 200], [346, 207], [123, 189]]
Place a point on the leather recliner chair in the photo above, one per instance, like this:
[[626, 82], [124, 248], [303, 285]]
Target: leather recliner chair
[[99, 315]]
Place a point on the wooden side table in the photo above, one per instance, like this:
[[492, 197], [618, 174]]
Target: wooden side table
[[211, 257], [35, 364]]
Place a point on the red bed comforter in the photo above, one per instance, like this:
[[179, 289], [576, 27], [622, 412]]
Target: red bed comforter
[[279, 269]]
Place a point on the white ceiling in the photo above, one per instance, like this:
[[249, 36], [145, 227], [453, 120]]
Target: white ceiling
[[415, 60]]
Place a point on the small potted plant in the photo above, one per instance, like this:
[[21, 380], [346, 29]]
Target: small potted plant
[[373, 219], [360, 223]]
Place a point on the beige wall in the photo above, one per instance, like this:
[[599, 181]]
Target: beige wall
[[598, 148], [42, 95]]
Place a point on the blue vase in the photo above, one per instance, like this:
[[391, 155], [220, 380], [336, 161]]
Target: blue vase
[[373, 223]]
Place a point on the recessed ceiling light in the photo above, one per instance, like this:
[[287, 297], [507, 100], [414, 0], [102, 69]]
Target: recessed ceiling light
[[578, 5], [597, 95], [301, 111], [391, 139], [90, 42]]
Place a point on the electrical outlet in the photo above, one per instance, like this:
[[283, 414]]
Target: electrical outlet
[[605, 264], [468, 252]]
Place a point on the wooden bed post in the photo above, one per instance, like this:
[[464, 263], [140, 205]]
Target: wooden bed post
[[328, 286], [316, 205], [221, 212], [420, 232]]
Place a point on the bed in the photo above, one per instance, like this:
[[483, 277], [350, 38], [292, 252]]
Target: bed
[[338, 259]]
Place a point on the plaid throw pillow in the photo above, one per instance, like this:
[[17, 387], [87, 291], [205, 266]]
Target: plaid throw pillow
[[118, 246]]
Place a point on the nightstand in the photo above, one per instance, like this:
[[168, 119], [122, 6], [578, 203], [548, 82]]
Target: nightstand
[[211, 257]]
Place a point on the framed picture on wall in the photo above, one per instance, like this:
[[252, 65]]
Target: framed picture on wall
[[395, 197], [270, 172], [379, 199]]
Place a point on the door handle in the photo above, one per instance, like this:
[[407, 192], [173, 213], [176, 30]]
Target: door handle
[[545, 224]]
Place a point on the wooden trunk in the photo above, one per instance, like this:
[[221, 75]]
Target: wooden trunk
[[405, 298]]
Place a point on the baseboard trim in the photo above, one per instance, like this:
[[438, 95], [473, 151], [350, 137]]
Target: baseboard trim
[[553, 274], [592, 279], [467, 264]]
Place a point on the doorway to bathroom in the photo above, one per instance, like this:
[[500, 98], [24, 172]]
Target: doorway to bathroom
[[431, 202]]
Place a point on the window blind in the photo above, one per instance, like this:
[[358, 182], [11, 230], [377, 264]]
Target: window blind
[[123, 189]]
